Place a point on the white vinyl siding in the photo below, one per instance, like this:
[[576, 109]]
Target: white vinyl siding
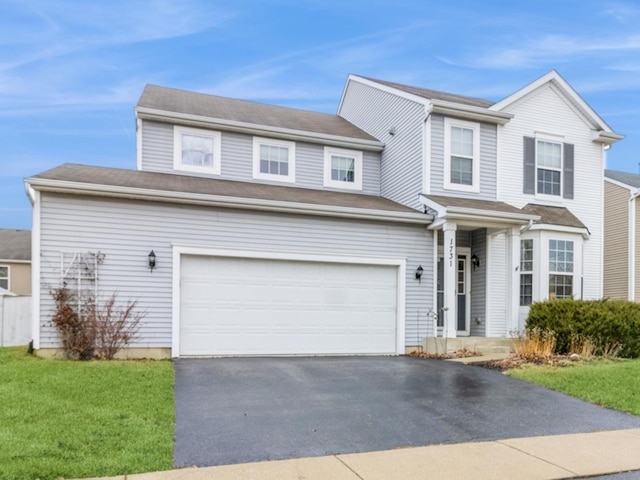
[[546, 110], [497, 285], [237, 159], [126, 231], [377, 112]]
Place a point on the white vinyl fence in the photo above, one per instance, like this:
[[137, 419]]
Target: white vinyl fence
[[15, 321]]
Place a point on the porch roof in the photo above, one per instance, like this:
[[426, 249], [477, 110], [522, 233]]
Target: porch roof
[[471, 210]]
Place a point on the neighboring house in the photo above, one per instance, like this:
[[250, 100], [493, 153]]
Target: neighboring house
[[15, 261], [621, 231], [408, 214]]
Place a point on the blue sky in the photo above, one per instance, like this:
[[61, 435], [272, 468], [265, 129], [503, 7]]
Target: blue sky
[[71, 71]]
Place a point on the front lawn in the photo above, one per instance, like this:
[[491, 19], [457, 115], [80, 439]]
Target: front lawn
[[612, 384], [69, 419]]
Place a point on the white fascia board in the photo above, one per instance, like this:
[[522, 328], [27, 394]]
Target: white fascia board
[[9, 260], [257, 129], [453, 213], [555, 78], [608, 138], [561, 228], [60, 186], [469, 112]]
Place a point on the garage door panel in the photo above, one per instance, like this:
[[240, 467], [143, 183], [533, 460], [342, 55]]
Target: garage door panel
[[239, 306]]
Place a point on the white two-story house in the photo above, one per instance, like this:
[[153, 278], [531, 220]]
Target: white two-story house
[[252, 229]]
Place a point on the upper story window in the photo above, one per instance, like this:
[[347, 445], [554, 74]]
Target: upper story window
[[548, 167], [342, 168], [196, 150], [4, 277], [273, 159], [461, 155], [560, 268]]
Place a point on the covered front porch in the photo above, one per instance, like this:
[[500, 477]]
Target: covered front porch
[[477, 286]]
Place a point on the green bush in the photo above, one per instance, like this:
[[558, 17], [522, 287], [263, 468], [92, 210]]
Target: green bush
[[605, 322]]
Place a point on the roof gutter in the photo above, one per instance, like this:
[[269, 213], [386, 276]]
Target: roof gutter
[[469, 112], [608, 138], [75, 188], [153, 114]]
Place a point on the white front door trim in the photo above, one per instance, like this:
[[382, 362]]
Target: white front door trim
[[183, 249]]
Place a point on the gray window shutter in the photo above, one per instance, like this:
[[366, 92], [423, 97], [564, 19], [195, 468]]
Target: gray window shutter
[[529, 174], [567, 171]]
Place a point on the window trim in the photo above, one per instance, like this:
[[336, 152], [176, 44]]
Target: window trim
[[329, 153], [571, 274], [530, 272], [8, 277], [216, 137], [559, 141], [475, 161], [291, 159]]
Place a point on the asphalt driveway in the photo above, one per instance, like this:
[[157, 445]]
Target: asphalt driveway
[[237, 410]]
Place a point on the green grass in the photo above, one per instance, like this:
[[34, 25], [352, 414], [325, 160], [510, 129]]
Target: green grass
[[612, 384], [69, 419]]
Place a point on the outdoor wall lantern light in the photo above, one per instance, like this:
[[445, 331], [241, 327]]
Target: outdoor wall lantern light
[[152, 261], [419, 271], [475, 261]]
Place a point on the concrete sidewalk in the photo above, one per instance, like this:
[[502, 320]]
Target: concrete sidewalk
[[549, 457]]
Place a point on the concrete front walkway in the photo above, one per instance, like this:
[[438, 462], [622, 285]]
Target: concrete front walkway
[[535, 458]]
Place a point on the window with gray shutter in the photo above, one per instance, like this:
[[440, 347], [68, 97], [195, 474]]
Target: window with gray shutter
[[547, 166]]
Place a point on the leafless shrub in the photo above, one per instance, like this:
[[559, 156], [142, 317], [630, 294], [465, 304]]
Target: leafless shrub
[[88, 328], [116, 326], [74, 324]]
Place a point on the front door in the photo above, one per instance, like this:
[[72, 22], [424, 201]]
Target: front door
[[462, 290]]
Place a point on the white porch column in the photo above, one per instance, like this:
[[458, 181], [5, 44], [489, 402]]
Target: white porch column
[[450, 277], [513, 279]]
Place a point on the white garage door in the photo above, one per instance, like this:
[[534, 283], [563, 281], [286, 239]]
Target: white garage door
[[241, 306]]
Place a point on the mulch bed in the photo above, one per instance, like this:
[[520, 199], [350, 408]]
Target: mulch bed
[[514, 361]]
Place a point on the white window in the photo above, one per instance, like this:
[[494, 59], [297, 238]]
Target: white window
[[4, 277], [461, 155], [548, 168], [561, 268], [342, 168], [196, 150], [273, 159], [526, 272]]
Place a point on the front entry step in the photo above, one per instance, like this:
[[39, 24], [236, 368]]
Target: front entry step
[[479, 345]]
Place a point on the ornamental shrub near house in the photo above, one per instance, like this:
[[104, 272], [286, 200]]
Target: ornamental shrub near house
[[609, 324]]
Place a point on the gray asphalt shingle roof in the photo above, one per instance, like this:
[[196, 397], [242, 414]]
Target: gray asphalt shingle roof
[[487, 205], [15, 244], [554, 215], [435, 94], [168, 182], [631, 179], [172, 100]]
